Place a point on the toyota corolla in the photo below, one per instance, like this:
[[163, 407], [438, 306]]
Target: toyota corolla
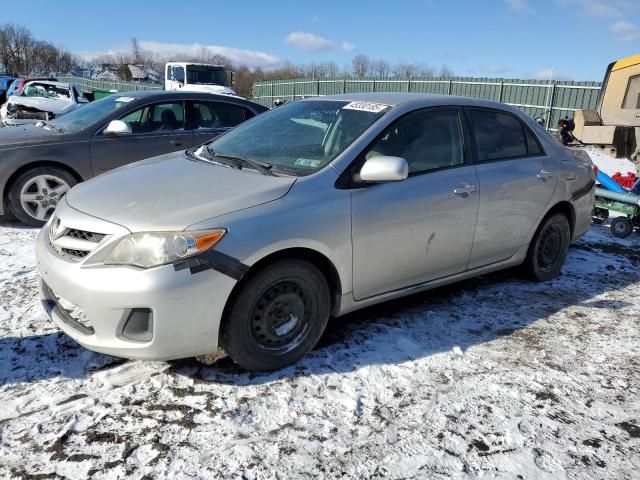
[[249, 243]]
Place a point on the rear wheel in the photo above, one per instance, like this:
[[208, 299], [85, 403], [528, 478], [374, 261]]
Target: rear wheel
[[621, 227], [548, 249], [277, 317], [33, 196]]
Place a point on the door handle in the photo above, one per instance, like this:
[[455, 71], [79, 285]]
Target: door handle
[[177, 143], [544, 175], [465, 189]]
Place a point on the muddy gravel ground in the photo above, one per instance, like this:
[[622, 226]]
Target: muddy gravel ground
[[495, 377]]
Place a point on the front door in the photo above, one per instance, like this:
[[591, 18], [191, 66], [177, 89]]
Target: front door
[[517, 181], [156, 129], [420, 229]]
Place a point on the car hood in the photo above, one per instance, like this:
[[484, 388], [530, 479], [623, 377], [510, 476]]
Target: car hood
[[173, 191], [26, 134], [53, 105]]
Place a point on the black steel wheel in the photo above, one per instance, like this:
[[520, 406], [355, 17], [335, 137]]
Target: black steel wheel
[[277, 317], [621, 227], [548, 248]]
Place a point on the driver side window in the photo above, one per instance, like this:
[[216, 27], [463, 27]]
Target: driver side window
[[160, 117], [179, 74], [426, 139]]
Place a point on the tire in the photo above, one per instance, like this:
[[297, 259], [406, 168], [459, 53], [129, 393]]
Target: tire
[[599, 215], [548, 249], [35, 193], [277, 317], [621, 227]]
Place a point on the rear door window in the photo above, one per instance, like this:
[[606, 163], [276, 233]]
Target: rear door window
[[500, 135], [212, 115]]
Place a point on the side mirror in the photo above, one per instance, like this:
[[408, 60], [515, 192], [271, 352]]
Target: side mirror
[[117, 127], [384, 169], [231, 75]]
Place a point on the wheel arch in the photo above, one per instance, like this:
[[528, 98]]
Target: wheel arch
[[30, 166], [321, 261], [567, 209]]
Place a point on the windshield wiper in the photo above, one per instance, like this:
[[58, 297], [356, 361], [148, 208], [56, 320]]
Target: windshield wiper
[[262, 167]]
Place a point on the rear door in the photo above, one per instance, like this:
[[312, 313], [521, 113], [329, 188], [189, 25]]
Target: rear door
[[413, 231], [156, 129], [210, 119], [517, 180]]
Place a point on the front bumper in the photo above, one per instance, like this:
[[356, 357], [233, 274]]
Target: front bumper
[[186, 307]]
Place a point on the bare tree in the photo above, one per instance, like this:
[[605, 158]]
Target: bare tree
[[446, 72], [361, 65], [381, 68], [136, 52], [424, 70], [404, 70]]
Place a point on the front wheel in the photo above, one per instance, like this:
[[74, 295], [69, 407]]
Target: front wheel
[[548, 249], [277, 317], [33, 196]]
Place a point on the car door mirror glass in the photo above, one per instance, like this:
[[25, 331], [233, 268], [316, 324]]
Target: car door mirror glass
[[384, 169], [117, 127]]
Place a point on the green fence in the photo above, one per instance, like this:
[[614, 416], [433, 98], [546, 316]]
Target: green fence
[[91, 85], [552, 100]]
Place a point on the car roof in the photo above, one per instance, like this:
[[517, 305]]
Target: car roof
[[50, 82], [187, 95], [413, 99]]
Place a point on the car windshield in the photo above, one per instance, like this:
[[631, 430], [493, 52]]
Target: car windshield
[[299, 138], [46, 90], [200, 74], [81, 118]]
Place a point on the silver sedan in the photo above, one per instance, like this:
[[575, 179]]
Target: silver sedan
[[248, 244]]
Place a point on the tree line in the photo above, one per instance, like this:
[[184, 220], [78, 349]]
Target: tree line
[[22, 54]]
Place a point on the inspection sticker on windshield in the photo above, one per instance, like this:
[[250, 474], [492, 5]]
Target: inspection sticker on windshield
[[125, 99], [366, 106]]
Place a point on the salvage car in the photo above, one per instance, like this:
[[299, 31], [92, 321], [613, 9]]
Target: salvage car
[[41, 101], [249, 243], [41, 162], [17, 85]]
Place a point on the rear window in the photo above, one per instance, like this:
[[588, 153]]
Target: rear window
[[500, 135]]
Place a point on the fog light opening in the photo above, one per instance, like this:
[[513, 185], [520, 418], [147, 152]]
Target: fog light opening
[[138, 325]]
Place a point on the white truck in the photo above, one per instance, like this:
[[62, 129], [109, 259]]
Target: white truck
[[199, 77]]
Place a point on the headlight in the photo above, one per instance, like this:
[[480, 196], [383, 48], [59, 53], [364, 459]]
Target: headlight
[[150, 249]]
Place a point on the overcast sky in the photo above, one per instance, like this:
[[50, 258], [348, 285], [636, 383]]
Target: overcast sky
[[510, 38]]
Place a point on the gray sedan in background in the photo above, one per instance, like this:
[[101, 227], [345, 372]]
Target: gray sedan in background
[[320, 207], [40, 163]]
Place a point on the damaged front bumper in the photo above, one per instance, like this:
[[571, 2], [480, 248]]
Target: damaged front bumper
[[15, 114], [159, 313]]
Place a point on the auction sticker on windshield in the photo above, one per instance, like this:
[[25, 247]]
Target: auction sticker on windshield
[[125, 99], [366, 106]]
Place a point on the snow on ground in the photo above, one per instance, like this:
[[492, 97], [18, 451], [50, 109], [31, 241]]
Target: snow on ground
[[494, 377], [610, 165]]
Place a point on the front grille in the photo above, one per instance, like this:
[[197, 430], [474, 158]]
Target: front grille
[[75, 312], [84, 235], [74, 253], [67, 312], [72, 243]]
